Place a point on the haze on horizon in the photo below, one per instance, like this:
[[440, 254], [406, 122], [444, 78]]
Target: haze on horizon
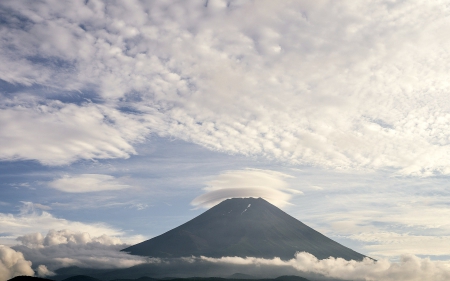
[[121, 120]]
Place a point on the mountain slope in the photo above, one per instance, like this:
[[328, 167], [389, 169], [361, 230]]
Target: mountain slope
[[242, 227]]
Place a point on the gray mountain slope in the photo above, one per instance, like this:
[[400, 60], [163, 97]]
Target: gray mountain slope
[[243, 227]]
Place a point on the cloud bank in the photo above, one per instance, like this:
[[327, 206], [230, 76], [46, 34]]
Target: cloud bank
[[41, 221], [66, 248], [409, 268], [53, 237], [342, 85], [87, 183], [270, 185]]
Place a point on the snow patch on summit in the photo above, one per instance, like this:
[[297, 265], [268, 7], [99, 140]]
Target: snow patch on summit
[[246, 208]]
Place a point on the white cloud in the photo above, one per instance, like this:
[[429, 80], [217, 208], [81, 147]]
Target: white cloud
[[87, 183], [375, 214], [409, 268], [13, 264], [42, 271], [31, 219], [409, 224], [57, 133], [65, 248], [53, 237], [337, 84], [392, 244], [266, 184]]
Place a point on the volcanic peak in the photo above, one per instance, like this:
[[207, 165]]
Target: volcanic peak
[[243, 227]]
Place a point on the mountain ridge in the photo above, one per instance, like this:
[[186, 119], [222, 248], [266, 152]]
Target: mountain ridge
[[89, 278]]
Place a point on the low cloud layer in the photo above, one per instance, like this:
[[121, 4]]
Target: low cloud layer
[[270, 185], [409, 268], [59, 249], [53, 237], [13, 263], [87, 183], [41, 221], [66, 248]]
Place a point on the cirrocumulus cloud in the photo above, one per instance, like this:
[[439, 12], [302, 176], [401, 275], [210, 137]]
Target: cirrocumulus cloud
[[337, 84]]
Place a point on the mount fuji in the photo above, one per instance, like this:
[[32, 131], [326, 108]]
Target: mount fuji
[[243, 227]]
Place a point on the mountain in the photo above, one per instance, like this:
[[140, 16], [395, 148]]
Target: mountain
[[81, 278], [290, 278], [241, 276], [28, 278], [243, 227]]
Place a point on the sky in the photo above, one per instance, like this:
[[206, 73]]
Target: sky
[[121, 120]]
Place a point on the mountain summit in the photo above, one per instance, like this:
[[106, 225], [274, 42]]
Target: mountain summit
[[243, 227]]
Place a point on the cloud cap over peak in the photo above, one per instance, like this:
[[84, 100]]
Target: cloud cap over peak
[[267, 184]]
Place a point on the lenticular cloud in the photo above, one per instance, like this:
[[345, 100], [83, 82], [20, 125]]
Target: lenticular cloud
[[267, 184]]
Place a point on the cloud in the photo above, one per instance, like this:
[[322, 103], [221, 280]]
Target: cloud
[[42, 271], [71, 248], [87, 183], [37, 206], [266, 184], [53, 237], [139, 206], [65, 248], [12, 263], [366, 92], [382, 222], [55, 133], [391, 244], [409, 268], [41, 221]]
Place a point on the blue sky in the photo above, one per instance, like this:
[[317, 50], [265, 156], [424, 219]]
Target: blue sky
[[130, 118]]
